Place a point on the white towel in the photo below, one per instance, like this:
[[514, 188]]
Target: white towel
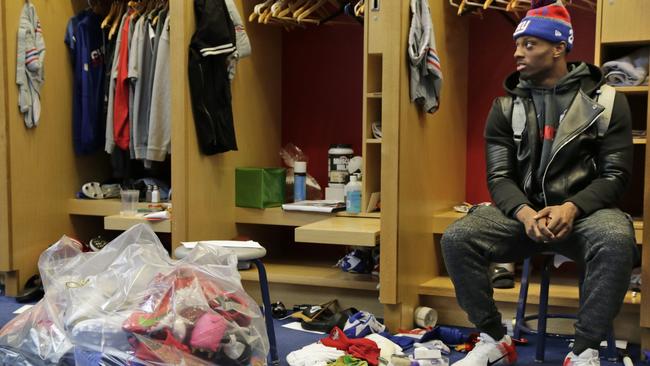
[[426, 74], [629, 70], [315, 354]]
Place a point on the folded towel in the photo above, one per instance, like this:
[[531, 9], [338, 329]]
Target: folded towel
[[628, 70]]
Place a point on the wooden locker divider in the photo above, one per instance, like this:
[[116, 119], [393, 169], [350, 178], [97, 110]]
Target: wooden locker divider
[[39, 170], [5, 184]]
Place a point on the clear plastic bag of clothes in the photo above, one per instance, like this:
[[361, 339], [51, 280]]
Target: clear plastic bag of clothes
[[131, 304]]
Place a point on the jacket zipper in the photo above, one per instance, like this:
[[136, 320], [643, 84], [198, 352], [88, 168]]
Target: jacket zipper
[[560, 148]]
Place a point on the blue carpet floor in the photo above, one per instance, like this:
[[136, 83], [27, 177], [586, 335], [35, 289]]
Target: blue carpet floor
[[290, 340]]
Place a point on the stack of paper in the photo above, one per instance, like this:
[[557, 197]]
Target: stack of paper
[[315, 206]]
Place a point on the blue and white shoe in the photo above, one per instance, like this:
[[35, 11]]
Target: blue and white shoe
[[361, 324]]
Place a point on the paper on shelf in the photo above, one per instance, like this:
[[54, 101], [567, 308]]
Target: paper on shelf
[[223, 243], [315, 206], [160, 215]]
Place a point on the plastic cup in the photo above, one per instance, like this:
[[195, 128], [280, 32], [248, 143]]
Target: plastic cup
[[129, 202]]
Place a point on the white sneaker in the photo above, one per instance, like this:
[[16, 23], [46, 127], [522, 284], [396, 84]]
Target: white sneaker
[[588, 357], [488, 352]]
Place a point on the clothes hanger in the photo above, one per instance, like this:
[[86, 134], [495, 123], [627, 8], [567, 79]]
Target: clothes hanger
[[164, 5], [306, 5], [319, 7], [259, 9], [512, 5], [317, 4], [118, 19], [359, 8], [290, 8], [110, 15], [279, 6], [265, 13]]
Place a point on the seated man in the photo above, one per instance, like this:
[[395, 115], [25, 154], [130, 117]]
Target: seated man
[[555, 180]]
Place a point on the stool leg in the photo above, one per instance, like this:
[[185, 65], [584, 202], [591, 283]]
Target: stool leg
[[268, 317], [523, 295], [543, 310], [612, 352]]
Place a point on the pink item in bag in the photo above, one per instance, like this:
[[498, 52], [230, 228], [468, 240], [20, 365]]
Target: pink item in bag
[[208, 332]]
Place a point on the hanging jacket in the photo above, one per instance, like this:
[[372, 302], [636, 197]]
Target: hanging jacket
[[211, 44], [426, 75], [30, 65], [583, 168]]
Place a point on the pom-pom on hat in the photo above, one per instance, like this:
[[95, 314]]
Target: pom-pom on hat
[[548, 20]]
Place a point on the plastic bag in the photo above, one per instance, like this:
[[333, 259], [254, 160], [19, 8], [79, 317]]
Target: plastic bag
[[131, 304], [291, 153]]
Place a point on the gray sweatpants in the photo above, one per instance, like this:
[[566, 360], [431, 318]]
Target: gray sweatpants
[[602, 242]]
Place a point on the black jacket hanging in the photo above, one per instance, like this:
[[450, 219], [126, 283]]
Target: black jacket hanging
[[211, 44]]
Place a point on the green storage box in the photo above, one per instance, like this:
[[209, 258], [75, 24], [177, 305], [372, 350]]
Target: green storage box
[[259, 187]]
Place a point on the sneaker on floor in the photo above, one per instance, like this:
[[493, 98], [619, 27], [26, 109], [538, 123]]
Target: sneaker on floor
[[489, 352], [588, 357]]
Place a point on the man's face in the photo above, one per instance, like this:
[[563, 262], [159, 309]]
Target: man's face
[[534, 57]]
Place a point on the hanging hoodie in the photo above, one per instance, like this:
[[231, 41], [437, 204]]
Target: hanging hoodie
[[30, 65], [426, 75], [242, 42]]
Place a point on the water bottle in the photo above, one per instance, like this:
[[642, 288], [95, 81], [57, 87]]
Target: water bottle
[[155, 194], [353, 195], [299, 181]]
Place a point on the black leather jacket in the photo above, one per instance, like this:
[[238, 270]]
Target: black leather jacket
[[589, 171]]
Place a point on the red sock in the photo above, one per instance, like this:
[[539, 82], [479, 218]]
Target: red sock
[[361, 347]]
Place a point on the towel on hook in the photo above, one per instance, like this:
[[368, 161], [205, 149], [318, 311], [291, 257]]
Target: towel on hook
[[629, 70], [30, 65], [426, 75]]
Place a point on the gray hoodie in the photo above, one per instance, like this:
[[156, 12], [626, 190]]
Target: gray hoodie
[[551, 105]]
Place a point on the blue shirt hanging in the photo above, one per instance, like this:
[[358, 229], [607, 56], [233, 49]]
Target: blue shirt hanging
[[85, 41]]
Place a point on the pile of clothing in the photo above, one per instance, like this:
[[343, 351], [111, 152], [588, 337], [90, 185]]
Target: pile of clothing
[[629, 70], [362, 340], [130, 304]]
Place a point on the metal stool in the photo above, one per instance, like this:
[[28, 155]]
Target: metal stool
[[543, 315], [253, 255]]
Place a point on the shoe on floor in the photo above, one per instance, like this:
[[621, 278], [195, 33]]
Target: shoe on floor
[[588, 357], [490, 352]]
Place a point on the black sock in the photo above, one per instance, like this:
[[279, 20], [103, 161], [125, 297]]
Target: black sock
[[582, 343]]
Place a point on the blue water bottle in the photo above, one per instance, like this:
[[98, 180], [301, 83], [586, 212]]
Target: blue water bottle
[[299, 181]]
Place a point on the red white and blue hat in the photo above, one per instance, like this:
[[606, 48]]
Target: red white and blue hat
[[548, 20]]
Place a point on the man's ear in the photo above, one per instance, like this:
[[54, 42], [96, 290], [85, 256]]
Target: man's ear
[[559, 49]]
